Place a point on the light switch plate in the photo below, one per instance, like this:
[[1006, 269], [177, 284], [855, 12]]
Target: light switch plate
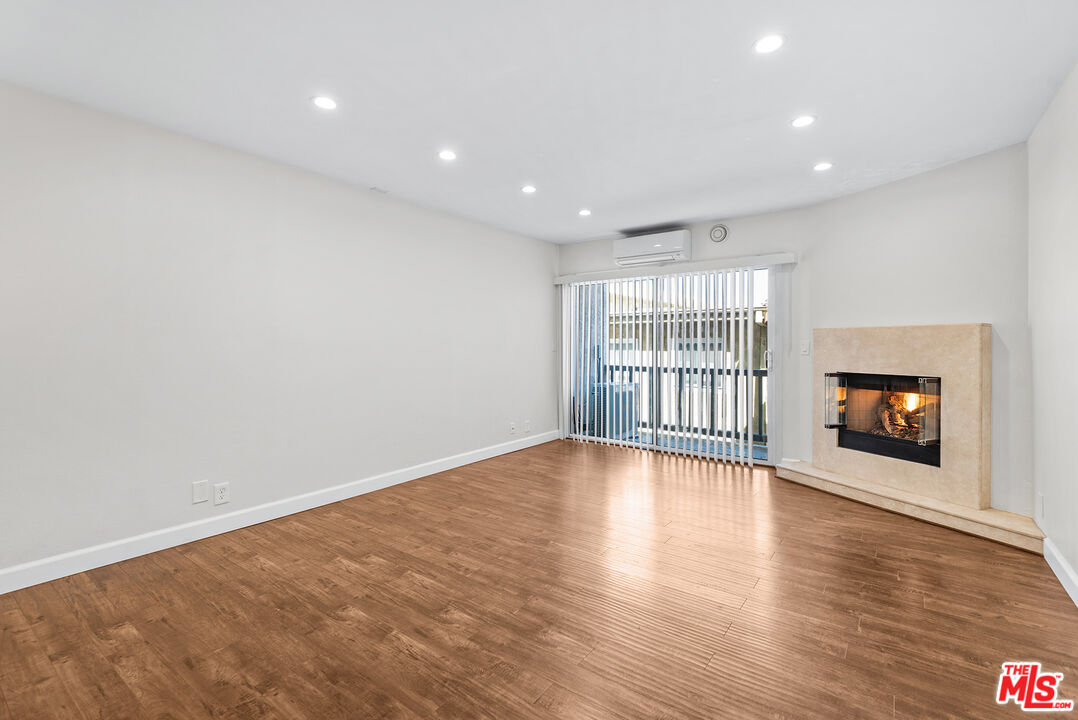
[[200, 491]]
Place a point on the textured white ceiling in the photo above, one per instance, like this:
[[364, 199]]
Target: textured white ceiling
[[645, 111]]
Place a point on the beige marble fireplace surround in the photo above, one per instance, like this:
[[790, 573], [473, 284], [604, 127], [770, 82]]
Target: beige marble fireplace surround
[[956, 494]]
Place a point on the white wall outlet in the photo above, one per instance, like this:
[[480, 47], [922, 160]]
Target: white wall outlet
[[221, 493], [512, 428], [200, 491], [527, 426]]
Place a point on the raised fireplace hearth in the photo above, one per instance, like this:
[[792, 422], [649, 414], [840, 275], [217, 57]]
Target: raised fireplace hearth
[[896, 416]]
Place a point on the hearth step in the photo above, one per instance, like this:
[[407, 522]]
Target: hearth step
[[1008, 528]]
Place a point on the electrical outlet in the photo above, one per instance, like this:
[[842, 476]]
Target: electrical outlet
[[200, 491], [221, 494], [512, 428], [527, 426]]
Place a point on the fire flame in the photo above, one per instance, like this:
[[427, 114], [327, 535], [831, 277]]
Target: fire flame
[[912, 401]]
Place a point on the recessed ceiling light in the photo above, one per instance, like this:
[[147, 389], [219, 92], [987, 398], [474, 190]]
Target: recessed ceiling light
[[528, 189], [324, 103], [803, 121], [584, 212], [447, 155], [820, 167], [768, 44]]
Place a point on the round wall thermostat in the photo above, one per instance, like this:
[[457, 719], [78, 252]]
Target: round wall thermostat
[[719, 233]]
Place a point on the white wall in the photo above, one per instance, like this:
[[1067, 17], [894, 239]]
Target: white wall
[[948, 246], [1053, 309], [171, 311]]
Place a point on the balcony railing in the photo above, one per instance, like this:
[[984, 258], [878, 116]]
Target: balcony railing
[[678, 387]]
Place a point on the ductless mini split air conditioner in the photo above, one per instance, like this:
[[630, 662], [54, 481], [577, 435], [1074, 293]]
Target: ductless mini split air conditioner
[[671, 246]]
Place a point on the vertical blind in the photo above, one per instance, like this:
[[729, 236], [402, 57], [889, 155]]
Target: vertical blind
[[674, 363]]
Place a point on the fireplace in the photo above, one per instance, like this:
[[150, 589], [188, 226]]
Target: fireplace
[[947, 480], [896, 416]]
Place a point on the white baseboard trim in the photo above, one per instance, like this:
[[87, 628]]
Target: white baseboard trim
[[76, 561], [1066, 573]]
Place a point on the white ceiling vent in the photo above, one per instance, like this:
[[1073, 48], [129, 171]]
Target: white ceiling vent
[[672, 246]]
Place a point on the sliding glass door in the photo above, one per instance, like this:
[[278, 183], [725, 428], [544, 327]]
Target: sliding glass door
[[677, 363]]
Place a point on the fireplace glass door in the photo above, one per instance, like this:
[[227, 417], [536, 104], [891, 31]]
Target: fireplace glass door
[[893, 415]]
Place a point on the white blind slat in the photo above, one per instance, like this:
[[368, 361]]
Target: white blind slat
[[750, 397]]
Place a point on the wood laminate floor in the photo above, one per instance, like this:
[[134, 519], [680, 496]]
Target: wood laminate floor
[[564, 581]]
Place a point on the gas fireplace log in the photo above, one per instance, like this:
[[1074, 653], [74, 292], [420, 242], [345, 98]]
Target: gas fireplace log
[[885, 419], [895, 419]]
